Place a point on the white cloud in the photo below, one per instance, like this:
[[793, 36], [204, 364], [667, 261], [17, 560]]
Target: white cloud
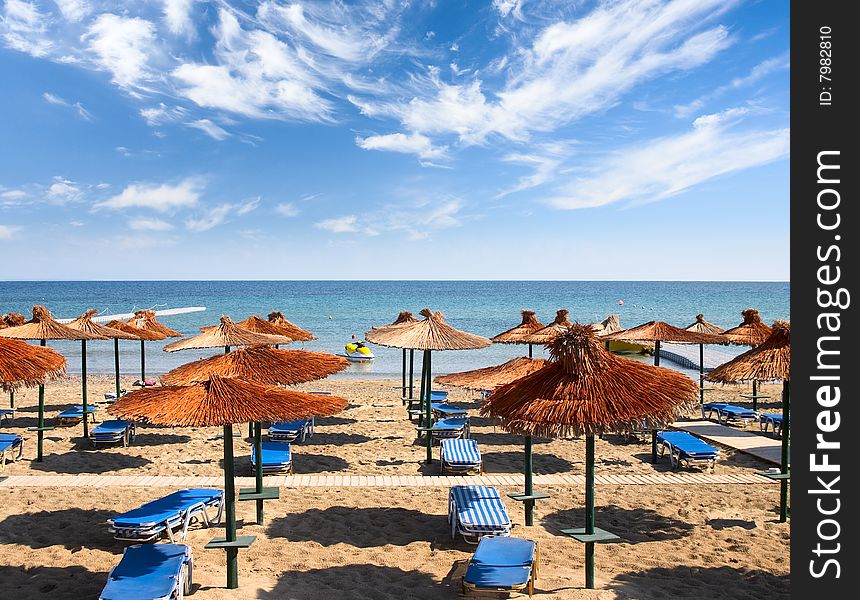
[[7, 232], [161, 114], [73, 10], [219, 214], [177, 14], [505, 7], [158, 197], [63, 190], [408, 144], [287, 209], [148, 224], [668, 166], [122, 45], [545, 161], [247, 206], [346, 224], [213, 130], [77, 106], [23, 28], [77, 223], [13, 194]]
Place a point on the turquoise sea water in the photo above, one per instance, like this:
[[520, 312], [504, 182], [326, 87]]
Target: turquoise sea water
[[334, 310]]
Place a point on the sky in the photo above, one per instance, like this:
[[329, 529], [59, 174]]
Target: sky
[[443, 139]]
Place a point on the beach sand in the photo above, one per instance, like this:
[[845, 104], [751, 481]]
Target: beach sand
[[678, 541]]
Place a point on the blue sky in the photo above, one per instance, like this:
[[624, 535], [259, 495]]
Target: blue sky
[[508, 139]]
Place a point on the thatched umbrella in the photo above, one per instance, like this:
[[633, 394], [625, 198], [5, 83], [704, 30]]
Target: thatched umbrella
[[145, 319], [225, 335], [489, 378], [658, 331], [546, 334], [222, 402], [85, 323], [43, 327], [22, 364], [520, 333], [770, 360], [431, 333], [260, 325], [751, 332], [144, 335], [11, 319], [276, 317], [702, 326], [587, 390], [404, 318]]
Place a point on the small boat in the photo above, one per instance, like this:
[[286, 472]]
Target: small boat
[[357, 352]]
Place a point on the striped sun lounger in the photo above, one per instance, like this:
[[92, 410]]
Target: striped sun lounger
[[174, 511], [727, 413], [11, 447], [450, 427], [110, 432], [277, 457], [288, 431], [460, 456], [475, 511], [74, 415], [502, 564], [686, 449], [151, 572]]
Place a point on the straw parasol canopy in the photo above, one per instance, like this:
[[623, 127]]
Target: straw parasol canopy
[[520, 333], [404, 318], [12, 319], [43, 327], [751, 332], [490, 378], [224, 335], [261, 364], [85, 323], [702, 326], [145, 319], [430, 333], [294, 331], [139, 334], [23, 364], [546, 334], [658, 331], [770, 360], [610, 324], [258, 325]]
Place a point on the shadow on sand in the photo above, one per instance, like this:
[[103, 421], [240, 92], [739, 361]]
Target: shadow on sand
[[693, 583], [633, 526]]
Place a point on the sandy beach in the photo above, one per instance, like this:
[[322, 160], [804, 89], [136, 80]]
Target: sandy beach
[[677, 541]]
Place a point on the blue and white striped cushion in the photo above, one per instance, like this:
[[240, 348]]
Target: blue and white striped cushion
[[461, 452], [479, 507]]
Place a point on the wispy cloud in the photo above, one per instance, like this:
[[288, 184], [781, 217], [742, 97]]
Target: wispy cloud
[[73, 10], [177, 15], [149, 224], [122, 46], [287, 209], [415, 143], [162, 198], [76, 106], [416, 220], [23, 28], [545, 161], [8, 232], [220, 214], [63, 191], [345, 224], [213, 130]]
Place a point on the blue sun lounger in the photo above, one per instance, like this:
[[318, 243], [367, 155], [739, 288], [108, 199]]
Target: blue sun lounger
[[288, 431], [686, 449], [150, 572], [773, 420], [74, 415], [727, 413], [276, 457], [174, 511], [442, 410], [450, 427], [475, 511], [112, 397], [111, 432], [11, 447], [438, 395], [460, 456], [502, 564], [7, 414]]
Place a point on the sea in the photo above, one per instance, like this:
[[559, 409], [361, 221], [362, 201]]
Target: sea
[[336, 310]]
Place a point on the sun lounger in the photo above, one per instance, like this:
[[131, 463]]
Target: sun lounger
[[502, 564], [772, 420], [144, 383], [686, 449], [438, 395], [727, 413], [442, 410], [7, 414], [74, 415], [11, 447], [112, 395], [276, 457], [288, 431], [450, 427], [174, 511], [475, 511], [460, 456], [110, 432], [150, 572]]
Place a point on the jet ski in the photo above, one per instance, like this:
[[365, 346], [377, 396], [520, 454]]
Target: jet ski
[[357, 352]]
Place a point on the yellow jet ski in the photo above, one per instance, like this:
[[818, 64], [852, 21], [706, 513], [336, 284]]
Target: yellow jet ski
[[357, 352]]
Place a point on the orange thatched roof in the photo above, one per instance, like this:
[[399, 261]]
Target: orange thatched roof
[[610, 324], [257, 325], [140, 334], [292, 330], [43, 327], [12, 319], [542, 336], [430, 333], [262, 364], [145, 319], [403, 318], [222, 401], [768, 361], [517, 335], [702, 326], [654, 331], [85, 323], [585, 389], [226, 334], [24, 364], [489, 378], [751, 332]]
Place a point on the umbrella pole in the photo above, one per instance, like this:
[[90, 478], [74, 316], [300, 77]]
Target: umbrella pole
[[403, 380], [142, 362], [529, 504], [116, 365], [40, 436], [428, 414], [230, 509], [421, 390], [258, 449], [654, 431], [530, 351], [701, 373], [589, 511], [786, 429], [754, 394], [11, 398], [411, 372], [84, 385]]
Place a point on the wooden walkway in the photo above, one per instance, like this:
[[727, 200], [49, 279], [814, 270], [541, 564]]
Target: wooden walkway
[[687, 355], [377, 481], [758, 445]]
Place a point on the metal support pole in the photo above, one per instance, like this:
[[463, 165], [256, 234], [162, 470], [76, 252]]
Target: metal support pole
[[428, 415], [116, 365], [530, 351], [142, 362], [411, 372], [421, 422], [230, 509], [701, 373], [654, 431], [258, 450], [529, 504], [403, 379], [84, 385], [40, 435], [589, 511], [786, 430], [754, 394], [11, 398]]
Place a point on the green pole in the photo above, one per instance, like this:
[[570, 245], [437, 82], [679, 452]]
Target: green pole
[[84, 385], [786, 427], [11, 398], [701, 373], [116, 364], [589, 511], [258, 449], [754, 394], [428, 415], [230, 509], [411, 372], [530, 351], [40, 435], [421, 387], [654, 431], [403, 379], [529, 504], [142, 362]]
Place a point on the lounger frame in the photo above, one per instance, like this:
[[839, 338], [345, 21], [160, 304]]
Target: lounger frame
[[679, 457], [184, 583], [273, 468], [530, 585], [182, 520], [292, 435], [14, 452], [458, 467], [773, 421], [69, 421], [126, 436], [725, 417], [472, 534]]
